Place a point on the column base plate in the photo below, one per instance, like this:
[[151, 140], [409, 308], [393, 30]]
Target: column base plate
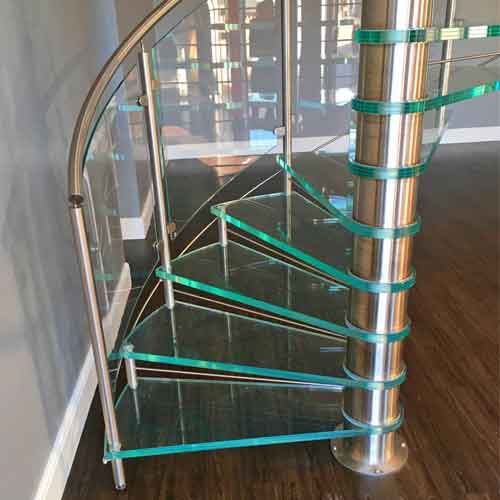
[[341, 451]]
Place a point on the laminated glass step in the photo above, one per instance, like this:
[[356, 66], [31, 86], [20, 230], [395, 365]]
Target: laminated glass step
[[245, 276], [313, 237], [431, 34], [198, 337], [465, 83], [248, 277], [327, 176], [166, 416]]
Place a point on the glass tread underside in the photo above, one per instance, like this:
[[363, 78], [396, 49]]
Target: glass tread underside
[[164, 416], [315, 237], [240, 274], [199, 337]]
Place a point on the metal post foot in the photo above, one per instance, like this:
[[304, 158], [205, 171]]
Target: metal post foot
[[119, 474], [388, 453]]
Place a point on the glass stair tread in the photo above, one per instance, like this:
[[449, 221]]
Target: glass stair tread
[[327, 178], [248, 277], [315, 237], [164, 416], [462, 77], [466, 82], [198, 337], [438, 33]]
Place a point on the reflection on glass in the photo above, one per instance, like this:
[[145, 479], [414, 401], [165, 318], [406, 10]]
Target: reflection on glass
[[119, 207], [218, 101]]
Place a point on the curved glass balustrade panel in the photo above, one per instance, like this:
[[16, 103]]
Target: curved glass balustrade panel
[[218, 97], [324, 69], [119, 208]]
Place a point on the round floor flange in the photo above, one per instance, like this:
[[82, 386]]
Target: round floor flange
[[341, 452]]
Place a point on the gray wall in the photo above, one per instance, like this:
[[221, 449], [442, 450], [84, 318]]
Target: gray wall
[[51, 50]]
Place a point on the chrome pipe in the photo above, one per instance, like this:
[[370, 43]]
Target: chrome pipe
[[446, 54], [130, 368], [485, 55], [286, 27], [222, 232], [154, 144], [97, 339], [394, 72], [119, 474]]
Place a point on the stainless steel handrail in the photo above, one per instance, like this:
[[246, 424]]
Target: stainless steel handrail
[[87, 112]]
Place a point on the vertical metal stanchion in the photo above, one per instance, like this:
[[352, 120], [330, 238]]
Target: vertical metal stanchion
[[392, 72], [446, 54], [97, 340], [286, 26], [154, 144]]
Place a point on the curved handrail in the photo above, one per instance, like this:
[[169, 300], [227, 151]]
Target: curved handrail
[[89, 107]]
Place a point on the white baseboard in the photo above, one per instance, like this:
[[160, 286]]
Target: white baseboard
[[469, 135], [58, 466], [136, 228], [57, 469]]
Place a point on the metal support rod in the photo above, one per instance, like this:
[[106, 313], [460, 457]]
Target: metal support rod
[[446, 54], [386, 73], [486, 55], [130, 368], [156, 171], [287, 87], [97, 340], [222, 232]]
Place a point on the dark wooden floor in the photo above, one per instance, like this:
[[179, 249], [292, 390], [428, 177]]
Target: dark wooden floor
[[451, 395]]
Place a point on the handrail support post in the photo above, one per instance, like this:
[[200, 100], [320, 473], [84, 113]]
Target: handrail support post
[[154, 143]]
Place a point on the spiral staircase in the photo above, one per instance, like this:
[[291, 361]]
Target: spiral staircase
[[250, 340]]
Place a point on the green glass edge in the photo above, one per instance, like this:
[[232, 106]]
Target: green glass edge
[[348, 222], [302, 377], [433, 34], [383, 173], [281, 311], [324, 380], [345, 277], [237, 443], [128, 338], [421, 106], [362, 425], [240, 443]]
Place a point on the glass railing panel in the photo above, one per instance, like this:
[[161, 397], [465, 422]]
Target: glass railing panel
[[198, 337], [175, 416], [219, 98], [325, 69], [119, 207]]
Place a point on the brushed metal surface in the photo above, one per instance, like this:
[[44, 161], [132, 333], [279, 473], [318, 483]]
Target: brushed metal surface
[[394, 72]]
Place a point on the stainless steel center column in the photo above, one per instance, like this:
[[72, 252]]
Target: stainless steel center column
[[387, 73]]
